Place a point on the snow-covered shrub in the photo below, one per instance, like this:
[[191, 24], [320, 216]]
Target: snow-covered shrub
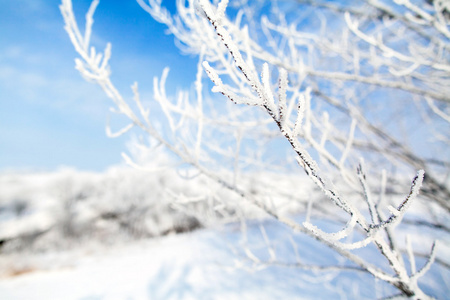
[[358, 86], [48, 211]]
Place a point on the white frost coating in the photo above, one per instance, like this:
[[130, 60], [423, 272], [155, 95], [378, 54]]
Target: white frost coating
[[235, 53], [252, 256], [325, 131], [300, 115], [136, 97], [106, 58], [404, 72], [382, 276], [409, 250], [220, 14], [429, 262], [415, 189], [347, 229], [389, 52], [367, 194], [248, 49], [268, 99], [125, 129], [159, 93], [198, 91], [222, 88], [89, 22], [349, 143], [207, 9], [311, 164], [357, 245], [307, 112], [437, 111], [282, 87], [212, 74], [397, 214], [130, 162], [309, 209], [270, 249], [393, 210], [334, 237]]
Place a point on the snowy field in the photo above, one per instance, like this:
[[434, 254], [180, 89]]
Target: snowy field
[[200, 265], [135, 261], [189, 266]]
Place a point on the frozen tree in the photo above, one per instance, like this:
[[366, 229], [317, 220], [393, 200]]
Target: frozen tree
[[360, 100]]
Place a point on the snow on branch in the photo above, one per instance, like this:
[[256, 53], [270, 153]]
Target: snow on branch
[[428, 264], [268, 100], [367, 195], [398, 213], [301, 107], [282, 87], [334, 237], [220, 87], [389, 52], [125, 129]]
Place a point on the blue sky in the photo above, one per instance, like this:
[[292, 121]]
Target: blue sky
[[50, 116]]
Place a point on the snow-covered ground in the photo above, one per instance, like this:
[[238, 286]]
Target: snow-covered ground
[[206, 264], [222, 261]]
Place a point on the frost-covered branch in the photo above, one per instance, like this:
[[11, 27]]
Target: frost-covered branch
[[326, 87], [403, 281]]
